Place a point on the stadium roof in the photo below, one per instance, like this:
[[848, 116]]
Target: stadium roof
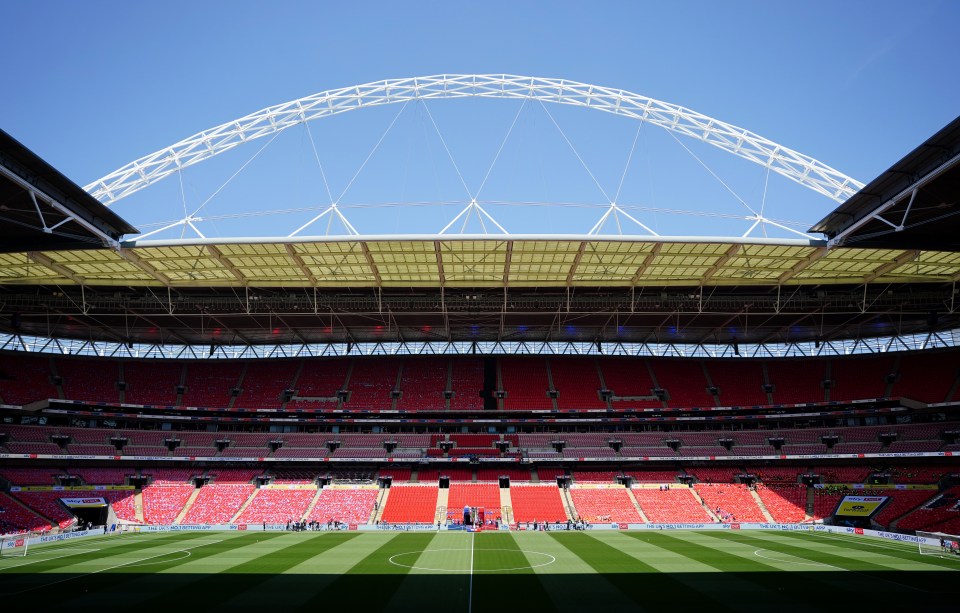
[[481, 287], [914, 204], [41, 209]]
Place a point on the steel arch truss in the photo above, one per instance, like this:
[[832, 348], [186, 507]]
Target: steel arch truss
[[797, 167]]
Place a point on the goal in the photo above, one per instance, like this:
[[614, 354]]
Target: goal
[[14, 545], [938, 543]]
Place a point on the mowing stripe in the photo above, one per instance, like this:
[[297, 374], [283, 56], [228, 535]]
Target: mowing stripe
[[644, 584], [300, 583], [14, 580], [90, 582], [873, 584], [743, 580], [494, 588], [573, 585], [256, 564], [902, 551], [372, 581]]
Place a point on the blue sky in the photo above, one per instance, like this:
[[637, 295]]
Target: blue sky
[[92, 86]]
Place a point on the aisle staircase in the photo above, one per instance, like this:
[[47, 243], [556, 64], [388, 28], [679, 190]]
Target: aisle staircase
[[636, 505], [709, 511], [381, 505], [506, 506], [244, 505], [763, 507], [186, 508], [443, 498], [313, 503]]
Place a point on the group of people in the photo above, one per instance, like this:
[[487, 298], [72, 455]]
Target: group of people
[[303, 525]]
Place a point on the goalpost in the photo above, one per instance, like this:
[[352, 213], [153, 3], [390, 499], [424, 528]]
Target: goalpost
[[14, 545], [938, 543]]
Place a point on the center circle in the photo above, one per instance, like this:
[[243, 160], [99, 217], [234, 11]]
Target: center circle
[[397, 560]]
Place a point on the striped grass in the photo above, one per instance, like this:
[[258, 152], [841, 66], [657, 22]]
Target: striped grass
[[715, 571]]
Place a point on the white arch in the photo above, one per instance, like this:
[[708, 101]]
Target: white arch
[[800, 168]]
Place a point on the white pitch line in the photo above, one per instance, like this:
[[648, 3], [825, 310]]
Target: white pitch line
[[470, 594], [72, 553], [95, 572]]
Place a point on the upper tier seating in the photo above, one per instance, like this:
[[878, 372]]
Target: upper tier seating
[[264, 383], [411, 504], [926, 377], [351, 506], [30, 476], [494, 474], [605, 505], [103, 476], [796, 381], [371, 382], [653, 476], [684, 382], [320, 380], [25, 379], [423, 382], [466, 381], [594, 476], [526, 384], [578, 383], [714, 474], [628, 377], [549, 474], [675, 505], [209, 383], [740, 383], [151, 381], [858, 377], [91, 380], [537, 503]]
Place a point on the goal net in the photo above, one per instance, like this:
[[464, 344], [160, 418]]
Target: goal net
[[938, 543], [13, 545]]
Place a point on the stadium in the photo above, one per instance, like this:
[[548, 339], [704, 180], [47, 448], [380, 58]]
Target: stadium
[[536, 420]]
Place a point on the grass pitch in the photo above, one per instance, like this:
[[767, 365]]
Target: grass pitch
[[453, 572]]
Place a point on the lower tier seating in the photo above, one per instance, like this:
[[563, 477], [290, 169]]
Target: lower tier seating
[[731, 502], [675, 504], [786, 503], [411, 504], [537, 503], [605, 505], [276, 506], [217, 503], [162, 503], [486, 495], [351, 506]]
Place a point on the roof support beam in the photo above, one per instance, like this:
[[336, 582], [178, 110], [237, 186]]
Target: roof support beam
[[506, 266], [45, 260], [576, 262], [802, 265], [143, 265], [293, 255], [216, 254], [436, 251], [731, 252], [647, 261], [371, 263], [900, 260]]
